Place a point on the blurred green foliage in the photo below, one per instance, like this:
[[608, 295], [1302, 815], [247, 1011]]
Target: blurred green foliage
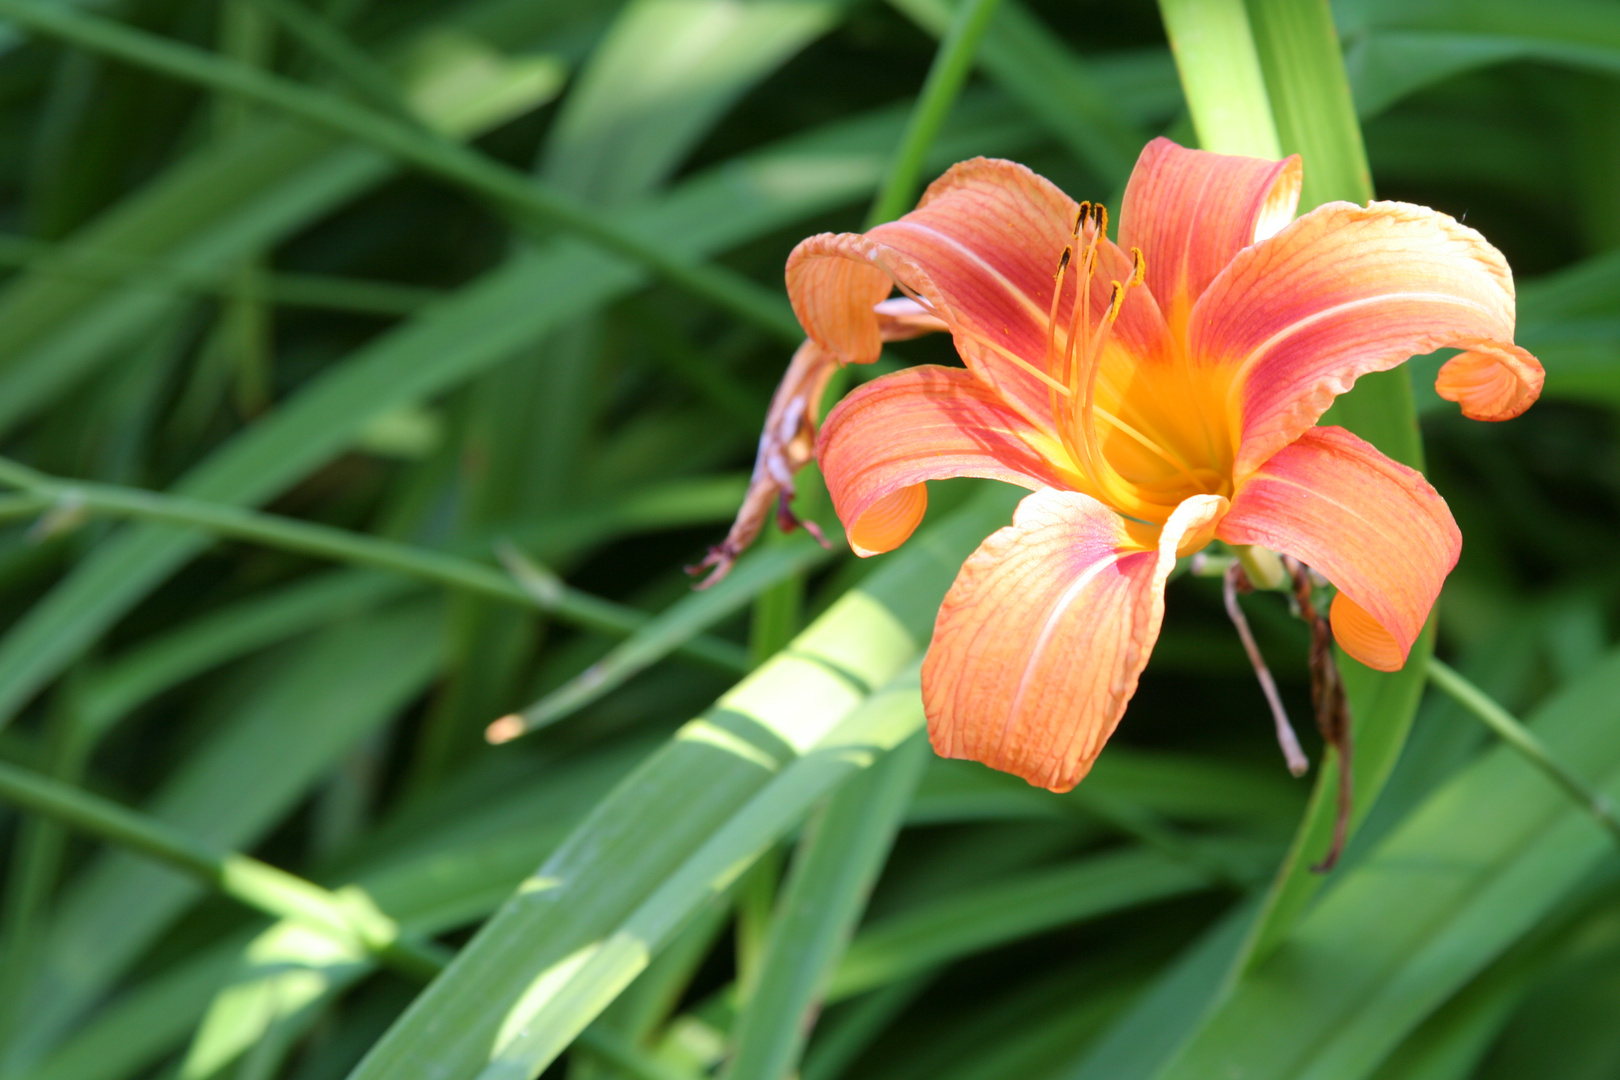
[[498, 332]]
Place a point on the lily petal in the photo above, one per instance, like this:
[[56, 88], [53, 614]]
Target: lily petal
[[1345, 290], [787, 443], [1361, 635], [980, 252], [1491, 380], [1191, 211], [902, 318], [835, 298], [1041, 640], [1374, 528], [923, 423]]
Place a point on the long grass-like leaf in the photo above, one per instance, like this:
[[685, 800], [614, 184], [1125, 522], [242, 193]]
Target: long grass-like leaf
[[440, 157], [482, 325], [1461, 880]]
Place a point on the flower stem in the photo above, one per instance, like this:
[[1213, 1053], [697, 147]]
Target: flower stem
[[1523, 740], [1262, 565], [349, 917], [949, 72]]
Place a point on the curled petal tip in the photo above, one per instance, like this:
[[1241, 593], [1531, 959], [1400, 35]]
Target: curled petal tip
[[924, 423], [1375, 528], [1363, 637], [889, 522], [1491, 380]]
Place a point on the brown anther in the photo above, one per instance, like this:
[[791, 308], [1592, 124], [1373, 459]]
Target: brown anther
[[1079, 217], [1063, 263]]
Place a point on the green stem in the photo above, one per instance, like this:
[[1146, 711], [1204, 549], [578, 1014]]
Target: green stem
[[1221, 76], [952, 63], [1261, 564], [1523, 740], [756, 900], [36, 863], [545, 593], [534, 202], [242, 331], [347, 916], [23, 505]]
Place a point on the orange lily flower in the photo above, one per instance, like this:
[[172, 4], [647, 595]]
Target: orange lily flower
[[1155, 395]]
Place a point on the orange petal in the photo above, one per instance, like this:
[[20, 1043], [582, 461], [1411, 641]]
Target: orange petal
[[834, 298], [981, 251], [902, 318], [1492, 380], [1375, 528], [1345, 290], [923, 423], [1040, 641], [1360, 635], [1191, 211]]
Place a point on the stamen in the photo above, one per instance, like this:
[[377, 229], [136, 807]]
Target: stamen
[[1009, 356], [920, 300], [1051, 314], [1093, 364], [1051, 326], [1075, 414], [973, 335]]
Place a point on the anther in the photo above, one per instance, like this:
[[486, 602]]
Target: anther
[[1063, 263], [1138, 266]]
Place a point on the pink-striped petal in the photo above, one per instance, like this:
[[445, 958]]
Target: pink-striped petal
[[1345, 290], [923, 423], [1491, 380], [1191, 211], [1376, 529], [1041, 640], [981, 252]]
